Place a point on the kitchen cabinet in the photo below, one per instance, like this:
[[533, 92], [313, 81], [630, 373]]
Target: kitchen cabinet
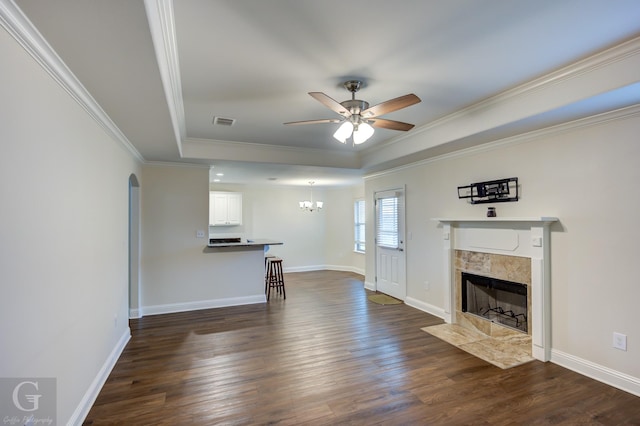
[[225, 208]]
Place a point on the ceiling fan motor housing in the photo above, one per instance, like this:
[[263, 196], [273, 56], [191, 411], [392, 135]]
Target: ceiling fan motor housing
[[357, 112], [355, 106]]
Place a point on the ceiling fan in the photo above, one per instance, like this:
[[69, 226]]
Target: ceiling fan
[[358, 118]]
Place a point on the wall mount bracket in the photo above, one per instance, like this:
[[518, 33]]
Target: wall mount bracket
[[492, 191]]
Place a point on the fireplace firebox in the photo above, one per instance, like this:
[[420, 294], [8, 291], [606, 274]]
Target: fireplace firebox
[[499, 301]]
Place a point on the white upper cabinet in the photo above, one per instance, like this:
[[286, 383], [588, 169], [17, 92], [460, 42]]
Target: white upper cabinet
[[225, 208]]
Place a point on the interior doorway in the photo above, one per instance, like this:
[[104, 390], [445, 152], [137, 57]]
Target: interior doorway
[[134, 247]]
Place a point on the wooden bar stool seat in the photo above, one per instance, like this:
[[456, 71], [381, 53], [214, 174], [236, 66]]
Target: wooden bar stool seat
[[275, 277]]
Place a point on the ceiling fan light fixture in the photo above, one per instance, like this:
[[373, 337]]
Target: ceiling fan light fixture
[[355, 114], [344, 131], [362, 133]]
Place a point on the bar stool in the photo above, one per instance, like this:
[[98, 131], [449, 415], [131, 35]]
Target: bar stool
[[267, 257], [275, 277]]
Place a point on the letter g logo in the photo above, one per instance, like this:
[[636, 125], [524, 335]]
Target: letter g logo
[[33, 399]]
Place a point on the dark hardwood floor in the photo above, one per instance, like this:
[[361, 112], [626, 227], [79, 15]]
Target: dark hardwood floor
[[327, 356]]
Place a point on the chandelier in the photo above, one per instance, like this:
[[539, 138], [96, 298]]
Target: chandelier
[[310, 206]]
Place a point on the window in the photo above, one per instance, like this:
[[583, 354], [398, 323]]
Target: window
[[387, 235], [358, 215]]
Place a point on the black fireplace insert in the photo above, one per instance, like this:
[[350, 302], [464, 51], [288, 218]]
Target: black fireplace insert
[[496, 300]]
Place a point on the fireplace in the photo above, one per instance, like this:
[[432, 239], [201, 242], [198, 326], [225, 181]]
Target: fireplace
[[501, 248], [499, 301]]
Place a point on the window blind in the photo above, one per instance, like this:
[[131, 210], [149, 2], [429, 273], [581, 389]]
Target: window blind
[[387, 232]]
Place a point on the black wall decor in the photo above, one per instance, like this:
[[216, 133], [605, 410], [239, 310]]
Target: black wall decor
[[492, 191]]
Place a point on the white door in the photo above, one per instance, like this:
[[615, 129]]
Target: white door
[[390, 257]]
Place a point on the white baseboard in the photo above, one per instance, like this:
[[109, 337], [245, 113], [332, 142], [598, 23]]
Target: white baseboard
[[369, 286], [586, 368], [303, 268], [202, 304], [232, 301], [344, 269], [426, 307], [324, 268], [81, 412], [597, 372]]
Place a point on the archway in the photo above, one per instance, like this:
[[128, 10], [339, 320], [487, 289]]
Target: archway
[[134, 247]]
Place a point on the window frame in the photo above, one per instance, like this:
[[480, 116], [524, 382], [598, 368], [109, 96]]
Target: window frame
[[359, 227]]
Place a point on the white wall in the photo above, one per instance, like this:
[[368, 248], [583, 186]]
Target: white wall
[[587, 176], [274, 213], [63, 238], [312, 240], [340, 231], [176, 270]]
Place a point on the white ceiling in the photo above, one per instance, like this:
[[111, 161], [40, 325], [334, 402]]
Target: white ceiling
[[255, 61]]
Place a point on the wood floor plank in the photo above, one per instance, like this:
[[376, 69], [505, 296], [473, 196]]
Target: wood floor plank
[[326, 356]]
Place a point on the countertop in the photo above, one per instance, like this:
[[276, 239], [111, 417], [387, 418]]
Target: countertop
[[245, 243]]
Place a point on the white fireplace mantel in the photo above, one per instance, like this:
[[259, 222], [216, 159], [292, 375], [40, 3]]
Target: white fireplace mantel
[[542, 219], [510, 236]]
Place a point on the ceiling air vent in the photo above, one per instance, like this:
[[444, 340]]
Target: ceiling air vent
[[222, 121]]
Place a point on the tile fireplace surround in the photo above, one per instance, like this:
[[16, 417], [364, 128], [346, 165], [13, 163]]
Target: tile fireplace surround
[[522, 237]]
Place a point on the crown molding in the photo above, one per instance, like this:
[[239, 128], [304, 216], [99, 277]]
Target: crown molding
[[598, 119], [163, 34], [26, 34], [175, 164], [247, 151], [597, 61], [266, 147], [570, 76]]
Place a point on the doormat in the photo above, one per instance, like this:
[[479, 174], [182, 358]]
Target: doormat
[[383, 299]]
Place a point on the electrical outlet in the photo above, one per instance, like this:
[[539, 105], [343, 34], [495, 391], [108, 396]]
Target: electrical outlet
[[115, 320], [620, 341], [427, 286], [199, 233]]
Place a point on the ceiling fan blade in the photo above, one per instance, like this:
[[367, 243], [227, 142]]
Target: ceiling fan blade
[[390, 124], [390, 106], [331, 103], [325, 120]]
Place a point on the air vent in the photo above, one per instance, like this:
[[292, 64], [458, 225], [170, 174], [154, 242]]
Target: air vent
[[222, 121]]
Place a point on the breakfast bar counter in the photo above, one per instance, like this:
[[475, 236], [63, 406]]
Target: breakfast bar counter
[[240, 242], [236, 270]]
